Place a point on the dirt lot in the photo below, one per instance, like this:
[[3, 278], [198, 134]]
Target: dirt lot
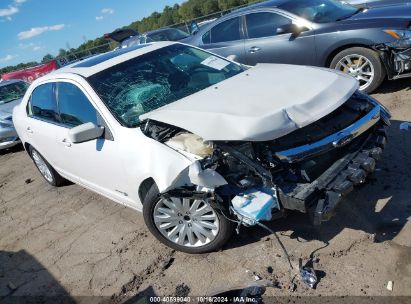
[[70, 241]]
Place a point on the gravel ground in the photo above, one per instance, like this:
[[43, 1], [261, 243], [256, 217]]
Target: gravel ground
[[71, 242]]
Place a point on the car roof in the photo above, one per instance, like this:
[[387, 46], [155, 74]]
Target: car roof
[[264, 4], [98, 63]]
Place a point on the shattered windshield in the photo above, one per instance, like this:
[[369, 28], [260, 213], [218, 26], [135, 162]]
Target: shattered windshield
[[158, 78], [12, 91]]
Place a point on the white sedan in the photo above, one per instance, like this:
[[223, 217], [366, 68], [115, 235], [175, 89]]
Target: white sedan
[[198, 142]]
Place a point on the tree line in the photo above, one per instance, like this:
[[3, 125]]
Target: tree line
[[191, 9]]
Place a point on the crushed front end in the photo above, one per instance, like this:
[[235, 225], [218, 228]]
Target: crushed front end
[[396, 55], [309, 170]]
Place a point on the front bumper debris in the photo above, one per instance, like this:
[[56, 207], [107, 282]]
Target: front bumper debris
[[322, 196], [397, 61]]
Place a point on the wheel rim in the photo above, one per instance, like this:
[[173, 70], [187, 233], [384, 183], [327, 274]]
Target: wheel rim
[[186, 222], [359, 67], [42, 166]]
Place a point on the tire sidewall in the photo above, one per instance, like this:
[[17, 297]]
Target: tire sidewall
[[222, 237], [372, 56], [53, 173]]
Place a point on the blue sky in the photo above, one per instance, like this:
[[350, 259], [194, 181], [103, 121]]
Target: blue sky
[[29, 29]]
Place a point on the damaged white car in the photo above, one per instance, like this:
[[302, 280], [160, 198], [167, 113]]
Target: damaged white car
[[198, 142]]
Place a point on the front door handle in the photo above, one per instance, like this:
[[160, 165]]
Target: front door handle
[[29, 130], [254, 49], [66, 142]]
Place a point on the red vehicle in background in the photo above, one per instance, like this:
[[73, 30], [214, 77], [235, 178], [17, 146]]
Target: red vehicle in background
[[31, 74]]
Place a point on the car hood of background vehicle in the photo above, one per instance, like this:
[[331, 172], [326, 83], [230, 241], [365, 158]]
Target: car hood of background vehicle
[[400, 11], [262, 103], [6, 110]]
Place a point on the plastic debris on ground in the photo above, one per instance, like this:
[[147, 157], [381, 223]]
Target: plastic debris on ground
[[405, 126], [307, 274], [390, 285], [255, 276], [255, 205]]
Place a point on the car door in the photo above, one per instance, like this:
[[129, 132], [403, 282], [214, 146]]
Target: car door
[[95, 163], [269, 41], [225, 39], [43, 123]]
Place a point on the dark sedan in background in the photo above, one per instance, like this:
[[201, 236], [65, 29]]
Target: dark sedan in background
[[369, 44]]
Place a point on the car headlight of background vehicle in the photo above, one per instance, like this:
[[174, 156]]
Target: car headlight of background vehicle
[[403, 38]]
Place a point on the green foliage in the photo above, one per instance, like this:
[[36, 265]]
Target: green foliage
[[19, 66], [191, 9], [47, 58]]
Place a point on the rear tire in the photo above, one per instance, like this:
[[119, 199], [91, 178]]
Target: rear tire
[[157, 210], [46, 170], [363, 64]]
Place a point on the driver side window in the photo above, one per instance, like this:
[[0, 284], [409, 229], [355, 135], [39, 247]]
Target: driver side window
[[261, 25], [74, 107]]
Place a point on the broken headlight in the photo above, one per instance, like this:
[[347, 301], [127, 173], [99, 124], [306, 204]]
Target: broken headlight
[[403, 38]]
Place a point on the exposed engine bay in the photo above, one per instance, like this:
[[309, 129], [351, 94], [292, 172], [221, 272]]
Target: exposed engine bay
[[310, 169]]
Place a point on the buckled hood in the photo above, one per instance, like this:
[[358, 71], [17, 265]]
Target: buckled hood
[[262, 103]]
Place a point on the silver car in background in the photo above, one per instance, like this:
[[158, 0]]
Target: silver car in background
[[11, 93]]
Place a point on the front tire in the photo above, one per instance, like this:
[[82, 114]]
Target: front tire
[[187, 225], [46, 170], [363, 64]]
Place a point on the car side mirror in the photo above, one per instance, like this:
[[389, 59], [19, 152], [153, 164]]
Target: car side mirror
[[85, 132], [291, 28]]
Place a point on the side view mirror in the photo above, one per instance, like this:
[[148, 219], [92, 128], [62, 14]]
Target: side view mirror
[[85, 132], [290, 28]]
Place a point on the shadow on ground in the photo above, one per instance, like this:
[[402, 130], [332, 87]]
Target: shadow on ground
[[392, 86], [12, 150], [23, 279], [381, 206]]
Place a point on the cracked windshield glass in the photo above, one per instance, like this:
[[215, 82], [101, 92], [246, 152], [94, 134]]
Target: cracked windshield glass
[[148, 82], [12, 92]]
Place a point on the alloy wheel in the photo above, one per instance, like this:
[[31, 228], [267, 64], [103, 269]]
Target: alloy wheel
[[359, 67], [186, 222], [42, 166]]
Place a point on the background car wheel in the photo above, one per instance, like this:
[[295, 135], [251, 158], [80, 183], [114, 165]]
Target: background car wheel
[[363, 64], [45, 169], [187, 225]]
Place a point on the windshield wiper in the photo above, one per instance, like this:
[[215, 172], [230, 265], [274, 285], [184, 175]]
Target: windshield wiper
[[350, 15]]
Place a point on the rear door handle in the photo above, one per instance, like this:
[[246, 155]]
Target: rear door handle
[[66, 142], [254, 49], [29, 130]]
